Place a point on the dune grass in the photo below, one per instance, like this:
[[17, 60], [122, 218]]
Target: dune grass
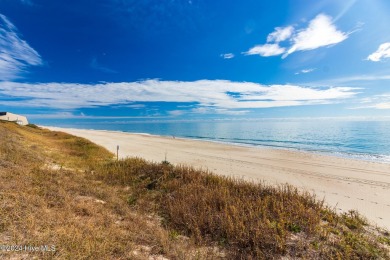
[[64, 191], [248, 220]]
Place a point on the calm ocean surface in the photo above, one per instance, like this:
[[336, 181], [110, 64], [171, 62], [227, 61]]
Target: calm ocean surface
[[367, 140]]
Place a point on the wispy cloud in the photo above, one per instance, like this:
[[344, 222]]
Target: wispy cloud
[[227, 55], [280, 34], [377, 102], [320, 32], [221, 111], [272, 48], [16, 55], [266, 50], [176, 112], [217, 96], [382, 52], [351, 80], [304, 71], [347, 5]]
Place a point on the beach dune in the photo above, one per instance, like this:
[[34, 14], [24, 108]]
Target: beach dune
[[345, 184]]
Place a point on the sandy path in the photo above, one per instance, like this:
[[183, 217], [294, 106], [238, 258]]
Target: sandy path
[[344, 183]]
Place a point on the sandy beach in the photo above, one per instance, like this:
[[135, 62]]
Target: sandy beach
[[344, 183]]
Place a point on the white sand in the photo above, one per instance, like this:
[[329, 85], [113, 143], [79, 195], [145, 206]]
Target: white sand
[[344, 183]]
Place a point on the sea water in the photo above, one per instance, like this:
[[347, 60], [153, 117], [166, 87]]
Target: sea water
[[360, 139]]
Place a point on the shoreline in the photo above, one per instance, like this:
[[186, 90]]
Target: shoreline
[[342, 155], [366, 157], [344, 183]]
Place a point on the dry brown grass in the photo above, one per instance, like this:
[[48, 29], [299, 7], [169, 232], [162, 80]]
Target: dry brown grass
[[248, 220], [42, 203], [61, 190]]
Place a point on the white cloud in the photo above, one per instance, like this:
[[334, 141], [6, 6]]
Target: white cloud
[[280, 34], [56, 115], [16, 55], [350, 80], [176, 112], [377, 102], [298, 93], [382, 105], [320, 32], [135, 106], [382, 52], [207, 94], [348, 4], [307, 70], [304, 71], [227, 55], [223, 111], [266, 50]]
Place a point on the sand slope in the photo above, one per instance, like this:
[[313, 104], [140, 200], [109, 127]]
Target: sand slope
[[344, 183]]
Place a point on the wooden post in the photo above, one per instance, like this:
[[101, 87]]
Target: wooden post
[[117, 152]]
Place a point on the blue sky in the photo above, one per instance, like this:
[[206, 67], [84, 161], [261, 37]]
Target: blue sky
[[194, 59]]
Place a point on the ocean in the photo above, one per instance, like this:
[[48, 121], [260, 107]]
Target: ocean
[[364, 139]]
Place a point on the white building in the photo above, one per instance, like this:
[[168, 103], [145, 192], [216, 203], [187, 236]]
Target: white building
[[7, 116]]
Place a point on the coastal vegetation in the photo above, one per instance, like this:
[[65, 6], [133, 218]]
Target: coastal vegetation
[[74, 197]]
